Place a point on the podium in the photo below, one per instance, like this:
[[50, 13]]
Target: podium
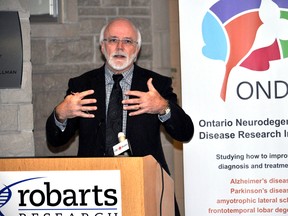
[[146, 188]]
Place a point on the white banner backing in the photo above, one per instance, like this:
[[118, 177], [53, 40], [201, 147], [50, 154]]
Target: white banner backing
[[235, 87]]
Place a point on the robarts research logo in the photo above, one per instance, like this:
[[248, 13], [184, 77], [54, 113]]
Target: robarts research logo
[[6, 193], [246, 33], [61, 193]]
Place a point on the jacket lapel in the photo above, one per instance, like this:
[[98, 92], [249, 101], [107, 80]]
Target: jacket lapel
[[139, 80], [139, 83]]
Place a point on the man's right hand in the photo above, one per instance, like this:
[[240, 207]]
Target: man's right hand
[[74, 105]]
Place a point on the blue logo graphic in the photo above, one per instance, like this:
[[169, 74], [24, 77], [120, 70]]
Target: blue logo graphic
[[6, 193]]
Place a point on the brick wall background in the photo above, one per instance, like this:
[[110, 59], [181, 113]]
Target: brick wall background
[[69, 48]]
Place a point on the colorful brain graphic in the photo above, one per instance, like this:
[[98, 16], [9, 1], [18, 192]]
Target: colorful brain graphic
[[246, 33]]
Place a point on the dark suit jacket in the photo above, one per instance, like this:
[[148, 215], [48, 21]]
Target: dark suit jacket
[[143, 131]]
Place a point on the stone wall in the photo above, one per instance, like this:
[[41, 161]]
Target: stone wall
[[16, 110]]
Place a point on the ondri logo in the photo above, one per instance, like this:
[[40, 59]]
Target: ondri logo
[[6, 193], [246, 33]]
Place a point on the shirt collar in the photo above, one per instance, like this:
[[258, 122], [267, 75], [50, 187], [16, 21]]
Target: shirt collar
[[127, 75]]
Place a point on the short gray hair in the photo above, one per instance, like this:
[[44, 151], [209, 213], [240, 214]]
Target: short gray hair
[[139, 39]]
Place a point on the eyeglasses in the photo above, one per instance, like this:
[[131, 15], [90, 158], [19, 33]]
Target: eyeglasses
[[115, 41]]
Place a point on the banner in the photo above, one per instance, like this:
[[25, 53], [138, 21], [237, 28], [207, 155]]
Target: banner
[[235, 87]]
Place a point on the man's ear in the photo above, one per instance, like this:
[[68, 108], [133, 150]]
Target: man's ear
[[102, 48]]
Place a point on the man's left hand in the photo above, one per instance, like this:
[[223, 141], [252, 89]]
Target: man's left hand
[[145, 102]]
